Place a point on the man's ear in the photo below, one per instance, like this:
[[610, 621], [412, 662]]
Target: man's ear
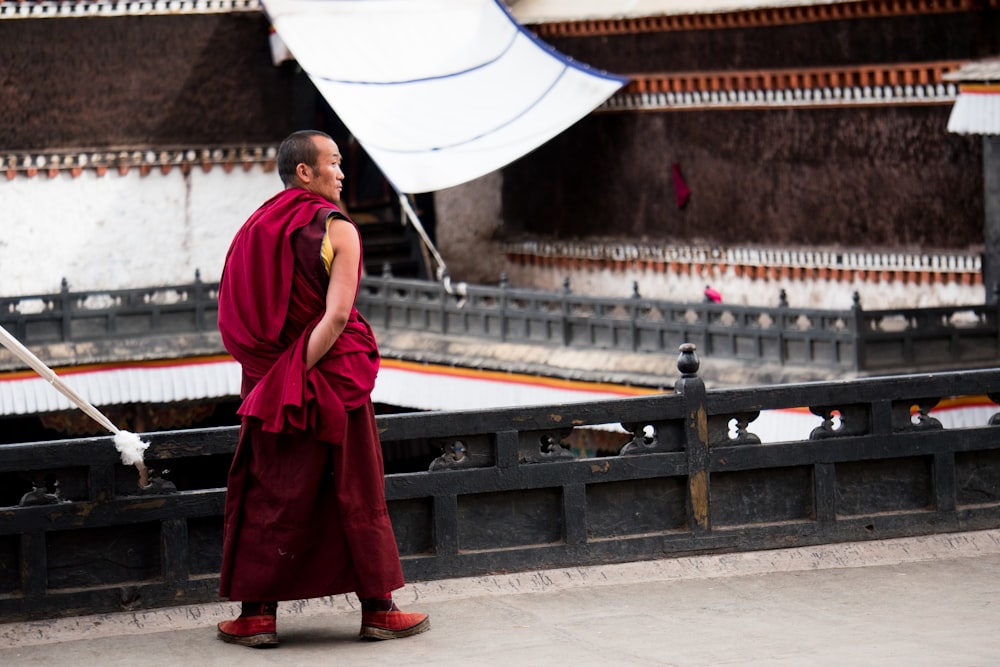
[[303, 172]]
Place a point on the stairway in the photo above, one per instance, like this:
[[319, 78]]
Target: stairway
[[389, 242]]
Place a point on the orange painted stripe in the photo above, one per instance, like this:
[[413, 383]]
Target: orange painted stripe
[[950, 403], [408, 366], [114, 366], [519, 378], [965, 402], [979, 88]]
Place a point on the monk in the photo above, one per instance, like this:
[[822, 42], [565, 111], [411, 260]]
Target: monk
[[305, 511]]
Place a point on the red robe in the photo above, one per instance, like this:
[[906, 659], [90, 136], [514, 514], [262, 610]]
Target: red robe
[[305, 508]]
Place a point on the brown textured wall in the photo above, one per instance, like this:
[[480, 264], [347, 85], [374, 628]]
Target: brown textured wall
[[887, 176], [891, 177], [855, 177], [140, 80]]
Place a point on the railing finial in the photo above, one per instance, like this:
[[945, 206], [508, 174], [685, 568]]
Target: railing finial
[[687, 361]]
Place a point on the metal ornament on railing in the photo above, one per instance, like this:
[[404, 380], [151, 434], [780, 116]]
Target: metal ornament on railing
[[840, 421], [545, 446], [39, 495]]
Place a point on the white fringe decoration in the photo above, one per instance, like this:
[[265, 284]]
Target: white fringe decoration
[[976, 112]]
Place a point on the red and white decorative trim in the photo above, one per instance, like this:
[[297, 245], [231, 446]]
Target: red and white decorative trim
[[753, 263], [52, 164], [755, 18], [42, 9], [870, 85]]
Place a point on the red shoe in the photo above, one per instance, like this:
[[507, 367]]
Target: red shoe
[[392, 624], [252, 631]]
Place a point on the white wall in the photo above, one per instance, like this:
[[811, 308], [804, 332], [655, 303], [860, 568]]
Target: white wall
[[115, 231]]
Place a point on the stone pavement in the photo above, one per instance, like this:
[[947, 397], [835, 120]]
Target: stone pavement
[[931, 601]]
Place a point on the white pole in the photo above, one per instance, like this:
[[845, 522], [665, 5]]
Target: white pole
[[128, 444], [408, 212]]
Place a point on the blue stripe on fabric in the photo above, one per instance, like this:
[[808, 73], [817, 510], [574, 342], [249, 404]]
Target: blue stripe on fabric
[[436, 77], [493, 130], [566, 60]]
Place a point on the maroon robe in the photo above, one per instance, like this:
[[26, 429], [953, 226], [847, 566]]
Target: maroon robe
[[305, 508]]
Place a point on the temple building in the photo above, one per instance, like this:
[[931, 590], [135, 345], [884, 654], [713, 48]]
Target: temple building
[[761, 148], [790, 145], [754, 143]]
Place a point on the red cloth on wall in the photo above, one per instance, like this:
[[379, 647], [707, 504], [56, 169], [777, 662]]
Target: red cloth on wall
[[681, 189], [305, 508]]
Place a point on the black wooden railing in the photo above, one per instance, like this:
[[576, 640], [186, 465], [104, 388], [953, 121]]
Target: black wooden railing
[[69, 316], [500, 490], [923, 338], [853, 339], [782, 335]]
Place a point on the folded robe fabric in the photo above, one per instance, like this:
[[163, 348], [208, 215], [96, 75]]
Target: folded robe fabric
[[265, 324]]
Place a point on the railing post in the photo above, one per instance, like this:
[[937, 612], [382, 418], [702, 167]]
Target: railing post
[[566, 337], [64, 309], [504, 284], [443, 297], [633, 312], [384, 293], [199, 301], [859, 332], [697, 445], [782, 348], [996, 314]]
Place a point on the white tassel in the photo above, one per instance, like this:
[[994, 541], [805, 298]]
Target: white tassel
[[130, 446]]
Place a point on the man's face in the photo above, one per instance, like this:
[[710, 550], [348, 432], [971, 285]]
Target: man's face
[[325, 178]]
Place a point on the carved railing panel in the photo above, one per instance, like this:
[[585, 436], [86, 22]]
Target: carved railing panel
[[840, 421], [654, 437]]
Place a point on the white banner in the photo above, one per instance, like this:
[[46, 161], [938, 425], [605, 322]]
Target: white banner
[[438, 92]]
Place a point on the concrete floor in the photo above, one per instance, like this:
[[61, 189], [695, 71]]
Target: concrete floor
[[931, 601]]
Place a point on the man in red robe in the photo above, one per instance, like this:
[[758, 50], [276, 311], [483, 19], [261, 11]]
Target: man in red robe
[[305, 508]]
